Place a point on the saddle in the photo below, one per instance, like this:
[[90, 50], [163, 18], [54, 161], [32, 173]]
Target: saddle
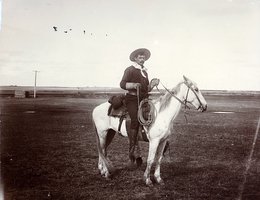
[[118, 109]]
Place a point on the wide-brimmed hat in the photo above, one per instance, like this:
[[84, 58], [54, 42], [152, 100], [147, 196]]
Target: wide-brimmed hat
[[141, 51]]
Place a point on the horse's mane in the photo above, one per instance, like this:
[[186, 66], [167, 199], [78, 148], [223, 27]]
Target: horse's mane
[[165, 99]]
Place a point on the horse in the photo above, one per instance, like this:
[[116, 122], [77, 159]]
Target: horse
[[167, 107]]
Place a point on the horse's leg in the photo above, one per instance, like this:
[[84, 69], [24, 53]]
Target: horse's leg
[[105, 142], [153, 145], [103, 164], [110, 135], [158, 160]]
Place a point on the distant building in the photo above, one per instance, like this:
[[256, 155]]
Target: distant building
[[21, 94]]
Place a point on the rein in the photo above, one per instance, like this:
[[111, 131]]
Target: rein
[[147, 122], [172, 94], [185, 101]]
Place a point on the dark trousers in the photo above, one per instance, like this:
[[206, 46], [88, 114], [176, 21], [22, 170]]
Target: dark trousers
[[132, 107]]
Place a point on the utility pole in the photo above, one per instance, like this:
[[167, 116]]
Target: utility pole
[[35, 80]]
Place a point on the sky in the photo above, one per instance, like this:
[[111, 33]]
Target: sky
[[215, 43]]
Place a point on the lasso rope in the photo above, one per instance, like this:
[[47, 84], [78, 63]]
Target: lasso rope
[[151, 113]]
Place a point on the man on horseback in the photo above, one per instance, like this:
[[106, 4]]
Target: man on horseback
[[135, 80]]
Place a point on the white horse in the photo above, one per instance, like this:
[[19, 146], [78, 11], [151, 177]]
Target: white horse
[[167, 108]]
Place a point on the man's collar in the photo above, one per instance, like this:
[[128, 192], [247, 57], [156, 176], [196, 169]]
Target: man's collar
[[142, 68], [137, 66]]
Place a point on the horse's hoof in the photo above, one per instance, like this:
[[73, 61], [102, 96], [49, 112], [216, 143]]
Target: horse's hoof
[[149, 183], [108, 176], [161, 183], [139, 161]]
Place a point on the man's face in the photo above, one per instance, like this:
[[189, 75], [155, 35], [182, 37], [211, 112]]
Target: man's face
[[140, 59]]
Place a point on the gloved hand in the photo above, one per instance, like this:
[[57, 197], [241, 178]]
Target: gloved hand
[[154, 82]]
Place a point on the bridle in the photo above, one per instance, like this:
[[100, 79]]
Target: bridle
[[186, 98], [146, 122], [194, 92]]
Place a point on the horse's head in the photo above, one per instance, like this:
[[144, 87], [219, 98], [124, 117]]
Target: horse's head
[[192, 95]]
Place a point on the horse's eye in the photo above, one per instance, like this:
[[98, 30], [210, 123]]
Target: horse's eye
[[196, 89]]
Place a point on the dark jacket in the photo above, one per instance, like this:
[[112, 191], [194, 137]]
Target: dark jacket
[[133, 75]]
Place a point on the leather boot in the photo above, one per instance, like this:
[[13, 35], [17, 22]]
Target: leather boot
[[132, 143]]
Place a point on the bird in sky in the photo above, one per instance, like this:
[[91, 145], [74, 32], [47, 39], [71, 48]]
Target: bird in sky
[[84, 31]]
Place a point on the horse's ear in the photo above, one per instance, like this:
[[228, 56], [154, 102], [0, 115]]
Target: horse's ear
[[188, 81]]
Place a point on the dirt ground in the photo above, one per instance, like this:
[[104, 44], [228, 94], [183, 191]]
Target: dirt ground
[[48, 151]]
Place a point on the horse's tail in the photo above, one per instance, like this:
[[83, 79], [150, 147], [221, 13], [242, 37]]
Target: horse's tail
[[100, 151]]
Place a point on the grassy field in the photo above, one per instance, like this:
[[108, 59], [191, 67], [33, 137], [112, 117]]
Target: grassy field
[[48, 151]]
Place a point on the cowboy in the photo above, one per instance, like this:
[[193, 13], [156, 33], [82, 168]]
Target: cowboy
[[135, 80]]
